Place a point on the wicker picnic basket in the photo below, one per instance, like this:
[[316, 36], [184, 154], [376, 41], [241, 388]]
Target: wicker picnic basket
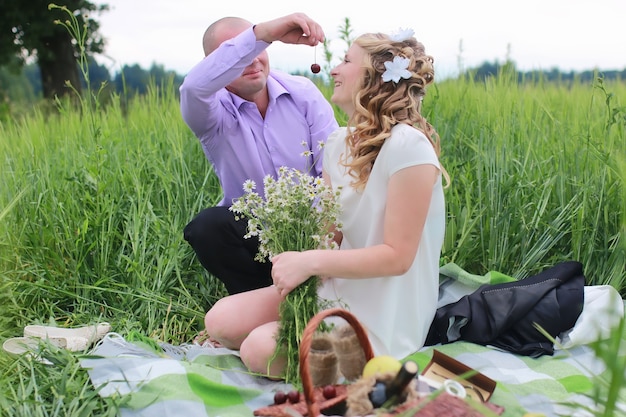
[[313, 402]]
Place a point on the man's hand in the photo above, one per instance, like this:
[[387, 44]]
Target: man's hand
[[296, 28]]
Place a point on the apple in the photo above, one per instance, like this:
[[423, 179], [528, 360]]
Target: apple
[[382, 364]]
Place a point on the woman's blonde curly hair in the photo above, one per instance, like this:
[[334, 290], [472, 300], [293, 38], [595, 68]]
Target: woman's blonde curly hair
[[380, 105]]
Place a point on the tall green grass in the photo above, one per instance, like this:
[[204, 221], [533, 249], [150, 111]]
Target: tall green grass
[[94, 199], [534, 175], [95, 210]]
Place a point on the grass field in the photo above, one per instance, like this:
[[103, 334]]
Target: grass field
[[94, 199]]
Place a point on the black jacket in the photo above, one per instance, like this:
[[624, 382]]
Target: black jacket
[[505, 315]]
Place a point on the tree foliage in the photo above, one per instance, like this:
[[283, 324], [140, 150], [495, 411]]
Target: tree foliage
[[492, 69], [29, 31]]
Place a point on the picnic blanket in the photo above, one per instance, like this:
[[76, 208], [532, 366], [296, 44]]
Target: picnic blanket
[[202, 381]]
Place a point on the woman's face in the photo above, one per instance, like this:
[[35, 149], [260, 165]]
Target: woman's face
[[348, 77]]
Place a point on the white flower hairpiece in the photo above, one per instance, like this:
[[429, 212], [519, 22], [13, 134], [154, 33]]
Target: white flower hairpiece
[[396, 69], [402, 34]]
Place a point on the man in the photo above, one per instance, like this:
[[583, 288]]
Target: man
[[250, 121]]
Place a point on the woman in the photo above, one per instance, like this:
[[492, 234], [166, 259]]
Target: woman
[[393, 215]]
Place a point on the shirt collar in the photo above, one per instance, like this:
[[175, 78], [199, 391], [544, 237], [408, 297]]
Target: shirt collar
[[274, 89]]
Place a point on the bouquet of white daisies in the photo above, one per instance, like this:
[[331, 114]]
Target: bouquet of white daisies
[[296, 213]]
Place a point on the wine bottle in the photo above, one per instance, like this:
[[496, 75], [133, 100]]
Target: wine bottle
[[392, 392]]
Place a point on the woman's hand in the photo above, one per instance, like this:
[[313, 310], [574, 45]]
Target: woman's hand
[[290, 269]]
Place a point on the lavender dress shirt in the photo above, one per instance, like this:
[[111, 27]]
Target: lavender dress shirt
[[236, 140]]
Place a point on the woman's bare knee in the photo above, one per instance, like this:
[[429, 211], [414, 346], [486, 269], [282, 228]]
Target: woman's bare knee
[[258, 351], [220, 324], [232, 318]]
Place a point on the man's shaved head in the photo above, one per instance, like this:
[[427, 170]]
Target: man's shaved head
[[221, 30]]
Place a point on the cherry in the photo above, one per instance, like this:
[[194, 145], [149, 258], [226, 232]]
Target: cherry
[[280, 397], [293, 397], [315, 68], [329, 392]]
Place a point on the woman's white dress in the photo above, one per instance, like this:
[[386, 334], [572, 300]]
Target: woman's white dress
[[396, 310]]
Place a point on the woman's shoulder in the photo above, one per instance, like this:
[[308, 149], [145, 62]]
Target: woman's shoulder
[[409, 146], [405, 131], [405, 137], [334, 146], [341, 130], [336, 137]]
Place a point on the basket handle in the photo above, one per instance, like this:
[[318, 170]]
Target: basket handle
[[305, 347]]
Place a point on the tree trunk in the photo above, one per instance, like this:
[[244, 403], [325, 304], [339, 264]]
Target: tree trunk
[[58, 65]]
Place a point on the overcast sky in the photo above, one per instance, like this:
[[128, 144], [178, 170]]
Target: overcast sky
[[536, 34]]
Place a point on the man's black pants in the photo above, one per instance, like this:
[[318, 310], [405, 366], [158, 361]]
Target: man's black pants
[[217, 238]]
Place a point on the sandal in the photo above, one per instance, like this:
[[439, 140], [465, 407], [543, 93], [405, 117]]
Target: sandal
[[32, 346], [21, 345], [90, 334], [203, 339]]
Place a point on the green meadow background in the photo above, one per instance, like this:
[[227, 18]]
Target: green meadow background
[[93, 200]]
